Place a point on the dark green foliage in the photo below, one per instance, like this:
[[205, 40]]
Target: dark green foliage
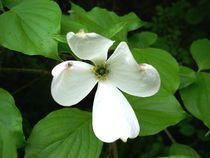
[[172, 36]]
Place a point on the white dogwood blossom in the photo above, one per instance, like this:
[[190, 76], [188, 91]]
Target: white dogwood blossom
[[112, 117]]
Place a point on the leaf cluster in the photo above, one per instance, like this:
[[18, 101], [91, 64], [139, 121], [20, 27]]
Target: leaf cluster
[[37, 29]]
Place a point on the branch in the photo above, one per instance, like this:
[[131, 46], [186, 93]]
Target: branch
[[27, 85], [24, 70]]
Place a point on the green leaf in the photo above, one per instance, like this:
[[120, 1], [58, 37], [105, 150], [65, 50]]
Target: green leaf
[[157, 112], [11, 3], [166, 65], [81, 17], [1, 6], [10, 118], [142, 40], [64, 133], [186, 128], [194, 16], [110, 18], [177, 149], [101, 21], [110, 33], [7, 145], [200, 51], [30, 27], [60, 38], [68, 24], [132, 20], [187, 76], [196, 98]]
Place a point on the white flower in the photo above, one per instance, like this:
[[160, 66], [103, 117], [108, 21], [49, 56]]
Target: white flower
[[113, 117]]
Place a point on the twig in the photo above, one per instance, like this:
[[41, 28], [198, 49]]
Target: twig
[[24, 70], [207, 134], [170, 136], [27, 85]]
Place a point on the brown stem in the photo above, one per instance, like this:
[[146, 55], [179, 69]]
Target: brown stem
[[112, 151]]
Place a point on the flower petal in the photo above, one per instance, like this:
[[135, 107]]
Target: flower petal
[[89, 46], [140, 80], [72, 81], [113, 117]]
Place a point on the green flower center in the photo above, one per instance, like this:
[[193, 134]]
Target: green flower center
[[101, 72]]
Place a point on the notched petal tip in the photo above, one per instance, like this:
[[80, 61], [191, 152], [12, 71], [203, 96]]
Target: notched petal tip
[[72, 82], [142, 67], [124, 139], [81, 34], [139, 80], [121, 122], [89, 46], [61, 67], [152, 76]]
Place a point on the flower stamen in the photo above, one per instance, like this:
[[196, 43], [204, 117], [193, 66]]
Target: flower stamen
[[101, 71]]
